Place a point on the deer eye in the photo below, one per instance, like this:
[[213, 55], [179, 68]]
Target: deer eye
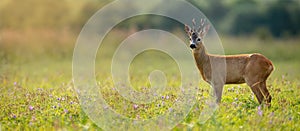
[[198, 39]]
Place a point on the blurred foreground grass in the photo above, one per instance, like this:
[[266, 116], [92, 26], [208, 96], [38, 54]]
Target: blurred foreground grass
[[37, 91]]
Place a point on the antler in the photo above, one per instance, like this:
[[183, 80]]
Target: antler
[[194, 24], [203, 28]]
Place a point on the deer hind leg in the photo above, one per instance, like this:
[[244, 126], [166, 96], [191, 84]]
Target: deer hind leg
[[255, 87], [265, 92], [256, 72]]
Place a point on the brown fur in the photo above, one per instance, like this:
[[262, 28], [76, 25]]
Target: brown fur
[[253, 69]]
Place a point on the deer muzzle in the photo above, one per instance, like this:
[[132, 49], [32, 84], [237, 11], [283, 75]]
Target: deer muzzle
[[193, 46]]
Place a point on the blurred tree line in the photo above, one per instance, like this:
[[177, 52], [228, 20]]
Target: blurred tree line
[[34, 14], [278, 18]]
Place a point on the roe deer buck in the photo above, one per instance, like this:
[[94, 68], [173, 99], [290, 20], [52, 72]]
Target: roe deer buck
[[252, 69]]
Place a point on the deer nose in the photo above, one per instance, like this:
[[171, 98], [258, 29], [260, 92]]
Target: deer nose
[[193, 46]]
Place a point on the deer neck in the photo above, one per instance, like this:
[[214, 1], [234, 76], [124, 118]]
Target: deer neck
[[201, 56], [202, 60]]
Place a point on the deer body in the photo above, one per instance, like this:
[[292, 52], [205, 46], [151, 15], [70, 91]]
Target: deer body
[[253, 69]]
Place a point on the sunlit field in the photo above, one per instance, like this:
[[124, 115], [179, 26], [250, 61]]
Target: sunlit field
[[37, 40], [37, 91]]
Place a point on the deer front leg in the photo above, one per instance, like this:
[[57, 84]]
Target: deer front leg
[[218, 89]]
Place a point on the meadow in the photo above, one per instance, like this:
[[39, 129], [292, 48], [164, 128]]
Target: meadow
[[37, 91]]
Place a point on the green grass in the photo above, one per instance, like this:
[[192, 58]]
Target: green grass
[[37, 92]]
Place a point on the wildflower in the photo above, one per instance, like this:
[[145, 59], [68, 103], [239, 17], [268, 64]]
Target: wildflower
[[231, 89], [235, 104], [14, 116], [182, 89], [167, 97], [170, 109], [271, 114], [62, 98], [163, 103], [15, 83], [135, 106], [33, 118], [66, 111], [31, 108], [259, 111], [71, 102], [236, 99], [58, 98], [162, 97], [252, 97], [137, 116], [54, 107]]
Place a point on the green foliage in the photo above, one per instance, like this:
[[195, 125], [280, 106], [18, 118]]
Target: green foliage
[[283, 17], [280, 17]]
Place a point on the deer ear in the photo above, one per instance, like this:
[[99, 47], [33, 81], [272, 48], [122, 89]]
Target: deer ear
[[187, 29]]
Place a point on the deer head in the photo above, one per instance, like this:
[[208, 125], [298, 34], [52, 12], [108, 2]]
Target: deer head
[[196, 36]]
